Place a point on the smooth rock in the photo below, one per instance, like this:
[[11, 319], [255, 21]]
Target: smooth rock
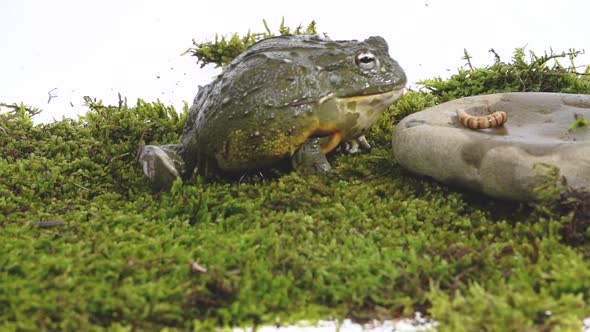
[[499, 161]]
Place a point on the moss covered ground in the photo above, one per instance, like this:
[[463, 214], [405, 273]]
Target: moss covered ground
[[86, 246]]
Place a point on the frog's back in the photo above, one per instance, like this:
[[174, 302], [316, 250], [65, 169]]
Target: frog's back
[[266, 103], [245, 117]]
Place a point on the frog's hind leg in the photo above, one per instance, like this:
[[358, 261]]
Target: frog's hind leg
[[162, 164], [310, 158]]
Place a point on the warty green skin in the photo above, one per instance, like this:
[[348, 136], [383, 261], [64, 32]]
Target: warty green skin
[[292, 97]]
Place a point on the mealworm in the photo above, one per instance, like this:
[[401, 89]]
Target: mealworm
[[482, 122]]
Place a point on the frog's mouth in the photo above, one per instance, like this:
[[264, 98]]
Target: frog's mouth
[[374, 99], [396, 92], [349, 117]]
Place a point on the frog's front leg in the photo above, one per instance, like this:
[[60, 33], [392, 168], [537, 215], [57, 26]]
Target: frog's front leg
[[355, 145], [310, 159]]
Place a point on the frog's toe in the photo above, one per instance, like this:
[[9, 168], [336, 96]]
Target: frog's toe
[[351, 147], [158, 167], [363, 144], [355, 146]]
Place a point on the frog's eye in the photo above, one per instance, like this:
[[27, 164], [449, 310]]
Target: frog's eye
[[365, 60]]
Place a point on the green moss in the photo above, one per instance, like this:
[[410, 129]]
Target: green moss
[[86, 246], [537, 74], [579, 122]]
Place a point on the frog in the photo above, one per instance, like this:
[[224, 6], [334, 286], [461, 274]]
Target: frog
[[285, 98]]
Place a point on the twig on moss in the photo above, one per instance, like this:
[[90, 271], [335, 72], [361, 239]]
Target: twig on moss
[[193, 218], [496, 56], [140, 145], [79, 186], [31, 111], [467, 57]]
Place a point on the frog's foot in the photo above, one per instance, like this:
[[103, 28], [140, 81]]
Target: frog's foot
[[309, 158], [161, 165], [355, 146]]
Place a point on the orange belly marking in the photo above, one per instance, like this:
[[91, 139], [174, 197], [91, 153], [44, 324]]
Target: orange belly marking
[[334, 137]]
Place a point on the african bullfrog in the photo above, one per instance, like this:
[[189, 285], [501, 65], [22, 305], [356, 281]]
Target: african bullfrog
[[287, 97]]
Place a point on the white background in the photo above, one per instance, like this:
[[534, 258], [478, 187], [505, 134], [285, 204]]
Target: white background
[[100, 48]]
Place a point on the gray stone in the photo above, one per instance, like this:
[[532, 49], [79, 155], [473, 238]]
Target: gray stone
[[498, 161]]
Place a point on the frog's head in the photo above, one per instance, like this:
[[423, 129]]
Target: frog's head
[[352, 68], [292, 69], [358, 81]]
